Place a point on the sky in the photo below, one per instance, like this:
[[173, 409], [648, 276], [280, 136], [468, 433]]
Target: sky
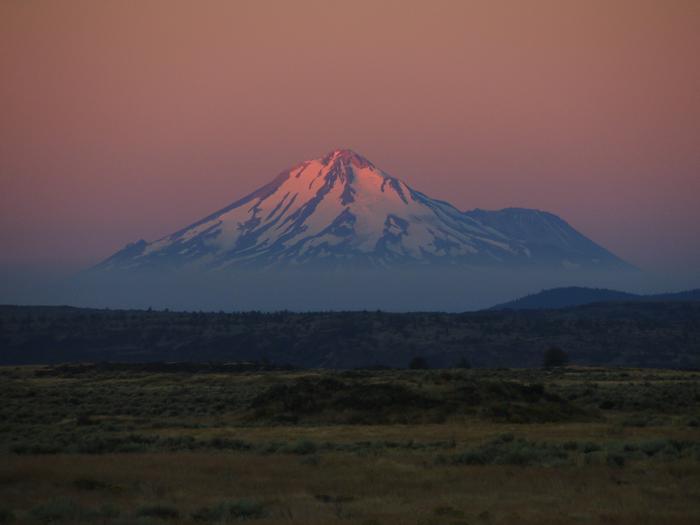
[[122, 120]]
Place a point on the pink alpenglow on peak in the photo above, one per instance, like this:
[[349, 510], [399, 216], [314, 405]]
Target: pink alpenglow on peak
[[340, 210]]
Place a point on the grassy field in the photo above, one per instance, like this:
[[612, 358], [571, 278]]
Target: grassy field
[[128, 445]]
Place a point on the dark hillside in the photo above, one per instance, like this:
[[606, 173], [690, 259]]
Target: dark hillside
[[578, 296], [648, 334]]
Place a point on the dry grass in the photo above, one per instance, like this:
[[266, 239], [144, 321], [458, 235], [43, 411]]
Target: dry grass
[[330, 478], [402, 488]]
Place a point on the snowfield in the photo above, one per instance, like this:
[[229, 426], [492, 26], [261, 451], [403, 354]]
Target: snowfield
[[342, 210]]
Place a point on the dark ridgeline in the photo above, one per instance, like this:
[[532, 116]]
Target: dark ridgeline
[[637, 333], [578, 295]]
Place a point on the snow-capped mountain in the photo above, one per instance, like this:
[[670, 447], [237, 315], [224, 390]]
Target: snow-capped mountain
[[341, 210]]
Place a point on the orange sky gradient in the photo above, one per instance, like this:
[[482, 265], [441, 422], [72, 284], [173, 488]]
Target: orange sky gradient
[[126, 119]]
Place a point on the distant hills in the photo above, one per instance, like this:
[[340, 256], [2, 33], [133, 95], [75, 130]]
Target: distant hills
[[639, 333], [578, 295]]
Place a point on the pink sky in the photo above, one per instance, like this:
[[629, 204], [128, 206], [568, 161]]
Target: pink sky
[[121, 120]]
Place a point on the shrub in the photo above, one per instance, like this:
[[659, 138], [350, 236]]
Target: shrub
[[105, 511], [58, 510], [589, 447], [615, 460], [161, 511], [448, 512], [36, 449], [596, 458], [312, 460], [89, 484], [228, 511], [222, 443], [509, 451], [178, 443], [303, 447], [471, 457], [635, 421], [84, 420], [570, 445], [270, 447], [531, 412], [6, 516], [651, 448]]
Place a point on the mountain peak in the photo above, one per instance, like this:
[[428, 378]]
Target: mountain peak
[[340, 209], [347, 157]]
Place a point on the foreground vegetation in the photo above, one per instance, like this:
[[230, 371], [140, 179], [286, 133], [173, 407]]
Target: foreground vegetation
[[172, 444]]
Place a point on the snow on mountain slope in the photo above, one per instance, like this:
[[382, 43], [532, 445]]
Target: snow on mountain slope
[[341, 210]]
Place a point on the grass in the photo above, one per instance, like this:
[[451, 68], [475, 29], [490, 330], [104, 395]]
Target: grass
[[160, 511], [109, 448], [400, 489]]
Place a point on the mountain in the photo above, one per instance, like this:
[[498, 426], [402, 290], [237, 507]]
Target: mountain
[[564, 297], [688, 295], [341, 209], [546, 236], [577, 296]]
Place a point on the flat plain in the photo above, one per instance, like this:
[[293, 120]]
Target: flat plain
[[117, 444]]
